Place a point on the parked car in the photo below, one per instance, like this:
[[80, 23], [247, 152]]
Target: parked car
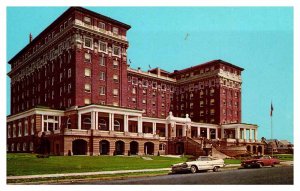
[[202, 163], [260, 161]]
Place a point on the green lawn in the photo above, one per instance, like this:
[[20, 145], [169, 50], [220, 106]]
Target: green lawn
[[232, 161], [29, 164], [286, 157]]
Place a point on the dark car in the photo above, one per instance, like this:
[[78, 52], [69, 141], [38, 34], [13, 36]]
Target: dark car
[[260, 161]]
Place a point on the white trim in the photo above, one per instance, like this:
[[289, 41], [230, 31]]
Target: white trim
[[37, 111], [100, 46], [85, 37]]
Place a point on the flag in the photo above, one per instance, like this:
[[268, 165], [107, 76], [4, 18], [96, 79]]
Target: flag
[[271, 113]]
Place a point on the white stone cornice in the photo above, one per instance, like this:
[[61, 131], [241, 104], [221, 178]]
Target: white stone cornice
[[41, 111], [108, 109]]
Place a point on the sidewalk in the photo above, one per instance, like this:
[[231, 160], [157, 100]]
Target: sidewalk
[[84, 173]]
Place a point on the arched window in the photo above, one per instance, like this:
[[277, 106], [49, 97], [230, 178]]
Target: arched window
[[14, 130], [69, 123], [18, 147], [87, 123], [26, 128], [102, 125], [8, 131], [31, 146], [24, 147], [19, 129], [117, 125], [32, 127]]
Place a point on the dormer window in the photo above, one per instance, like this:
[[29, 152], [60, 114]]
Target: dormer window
[[115, 30], [101, 25], [87, 20]]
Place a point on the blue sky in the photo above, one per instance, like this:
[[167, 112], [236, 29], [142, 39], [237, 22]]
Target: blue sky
[[259, 39]]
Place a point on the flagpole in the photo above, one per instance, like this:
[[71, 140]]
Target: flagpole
[[271, 114]]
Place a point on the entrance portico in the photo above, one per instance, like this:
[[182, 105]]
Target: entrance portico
[[241, 132]]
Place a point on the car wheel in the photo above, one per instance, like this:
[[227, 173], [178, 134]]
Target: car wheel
[[194, 169], [260, 165], [216, 169], [272, 165]]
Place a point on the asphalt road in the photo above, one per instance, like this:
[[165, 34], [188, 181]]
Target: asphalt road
[[267, 176]]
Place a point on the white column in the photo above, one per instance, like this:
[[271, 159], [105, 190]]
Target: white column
[[79, 121], [92, 120], [125, 123], [184, 130], [255, 134], [245, 133], [42, 123], [208, 133], [97, 123], [109, 122], [140, 125], [250, 133], [166, 131], [217, 135], [237, 133], [222, 133], [198, 131], [112, 122], [154, 128], [59, 121]]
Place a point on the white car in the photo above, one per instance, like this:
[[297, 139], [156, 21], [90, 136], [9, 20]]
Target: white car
[[202, 163]]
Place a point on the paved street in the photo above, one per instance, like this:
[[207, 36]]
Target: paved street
[[277, 175]]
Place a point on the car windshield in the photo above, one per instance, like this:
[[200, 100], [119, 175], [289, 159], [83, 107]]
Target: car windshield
[[204, 159]]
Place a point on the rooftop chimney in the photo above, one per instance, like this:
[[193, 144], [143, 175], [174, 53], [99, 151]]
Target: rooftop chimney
[[30, 38]]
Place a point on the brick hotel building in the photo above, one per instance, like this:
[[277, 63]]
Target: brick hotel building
[[72, 87]]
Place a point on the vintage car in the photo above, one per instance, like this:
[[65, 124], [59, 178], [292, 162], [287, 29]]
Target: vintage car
[[260, 161], [203, 163]]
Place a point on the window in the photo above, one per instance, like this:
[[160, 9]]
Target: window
[[162, 105], [212, 111], [154, 85], [60, 77], [87, 57], [87, 88], [133, 100], [115, 64], [191, 105], [134, 81], [201, 93], [88, 43], [87, 101], [212, 91], [145, 83], [115, 92], [117, 126], [19, 129], [69, 102], [201, 103], [133, 90], [69, 73], [102, 46], [87, 72], [52, 81], [101, 25], [24, 147], [163, 87], [116, 51], [102, 125], [116, 78], [102, 76], [212, 101], [102, 61], [102, 90], [144, 101], [69, 123], [8, 131], [115, 30], [69, 88], [201, 112], [32, 127]]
